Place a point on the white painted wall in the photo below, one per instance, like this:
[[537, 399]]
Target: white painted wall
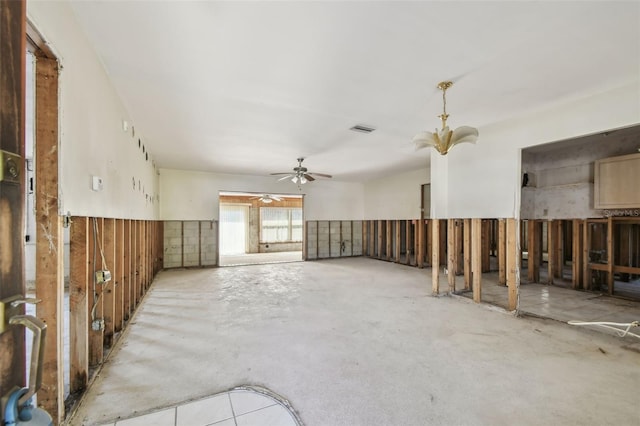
[[92, 140], [395, 197], [484, 179], [190, 195]]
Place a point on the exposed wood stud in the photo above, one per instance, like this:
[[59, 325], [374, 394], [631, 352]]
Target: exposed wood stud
[[119, 284], [96, 337], [429, 241], [513, 263], [109, 288], [451, 254], [551, 244], [127, 270], [79, 305], [398, 236], [476, 258], [420, 241], [49, 236], [467, 254], [442, 243], [407, 243], [502, 255], [610, 255], [435, 256], [586, 273], [388, 239], [559, 249], [486, 245], [459, 245]]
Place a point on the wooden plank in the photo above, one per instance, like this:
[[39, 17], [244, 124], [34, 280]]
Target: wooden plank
[[416, 240], [476, 258], [466, 231], [610, 254], [96, 334], [576, 254], [49, 236], [552, 237], [135, 286], [79, 295], [12, 136], [559, 250], [407, 242], [513, 263], [459, 245], [127, 271], [420, 242], [502, 255], [586, 246], [443, 243], [451, 254], [429, 242], [388, 240], [435, 256], [119, 287], [533, 245], [380, 239], [486, 245], [398, 236], [109, 288]]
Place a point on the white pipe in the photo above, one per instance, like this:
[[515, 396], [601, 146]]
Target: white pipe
[[612, 326]]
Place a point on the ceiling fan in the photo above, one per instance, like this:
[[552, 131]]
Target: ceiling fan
[[266, 198], [301, 174]]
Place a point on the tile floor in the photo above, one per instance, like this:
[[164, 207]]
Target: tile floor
[[238, 407]]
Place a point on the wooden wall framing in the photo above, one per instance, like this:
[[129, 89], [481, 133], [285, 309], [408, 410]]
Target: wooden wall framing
[[98, 313]]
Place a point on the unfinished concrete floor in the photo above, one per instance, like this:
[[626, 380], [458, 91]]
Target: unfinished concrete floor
[[359, 342]]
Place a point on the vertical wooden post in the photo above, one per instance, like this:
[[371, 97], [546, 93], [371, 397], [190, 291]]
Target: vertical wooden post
[[79, 296], [559, 250], [365, 238], [513, 263], [533, 262], [610, 255], [389, 241], [408, 243], [428, 242], [119, 284], [486, 245], [502, 252], [135, 277], [467, 254], [443, 243], [476, 258], [435, 256], [96, 334], [12, 212], [127, 271], [459, 244], [109, 288], [49, 236], [420, 242], [451, 254], [380, 238], [586, 246], [551, 244], [398, 241], [372, 238], [576, 255]]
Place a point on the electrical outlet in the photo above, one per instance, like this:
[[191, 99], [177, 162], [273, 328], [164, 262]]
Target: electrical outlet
[[97, 325], [96, 183], [103, 276]]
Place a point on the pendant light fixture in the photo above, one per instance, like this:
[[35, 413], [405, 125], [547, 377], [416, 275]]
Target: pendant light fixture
[[443, 140]]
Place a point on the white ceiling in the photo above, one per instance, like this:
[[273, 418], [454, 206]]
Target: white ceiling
[[247, 87]]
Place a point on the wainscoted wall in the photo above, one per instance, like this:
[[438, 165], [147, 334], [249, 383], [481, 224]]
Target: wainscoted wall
[[190, 243], [332, 238]]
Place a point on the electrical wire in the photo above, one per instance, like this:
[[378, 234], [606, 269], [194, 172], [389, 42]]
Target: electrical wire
[[96, 244], [621, 332]]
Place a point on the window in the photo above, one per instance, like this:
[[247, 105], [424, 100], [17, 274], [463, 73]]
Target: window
[[280, 224]]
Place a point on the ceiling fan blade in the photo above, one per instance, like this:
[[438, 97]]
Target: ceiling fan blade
[[274, 198], [321, 175], [282, 173], [288, 176], [309, 177]]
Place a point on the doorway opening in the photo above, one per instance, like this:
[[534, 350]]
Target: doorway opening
[[257, 228]]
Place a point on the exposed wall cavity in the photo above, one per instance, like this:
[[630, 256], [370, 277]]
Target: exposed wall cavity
[[557, 179]]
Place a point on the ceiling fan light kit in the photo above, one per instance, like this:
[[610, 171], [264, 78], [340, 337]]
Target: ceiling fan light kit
[[301, 175], [445, 139]]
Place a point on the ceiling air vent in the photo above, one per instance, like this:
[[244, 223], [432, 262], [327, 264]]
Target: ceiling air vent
[[362, 128]]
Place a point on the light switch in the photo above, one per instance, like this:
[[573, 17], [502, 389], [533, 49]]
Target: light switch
[[96, 183]]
